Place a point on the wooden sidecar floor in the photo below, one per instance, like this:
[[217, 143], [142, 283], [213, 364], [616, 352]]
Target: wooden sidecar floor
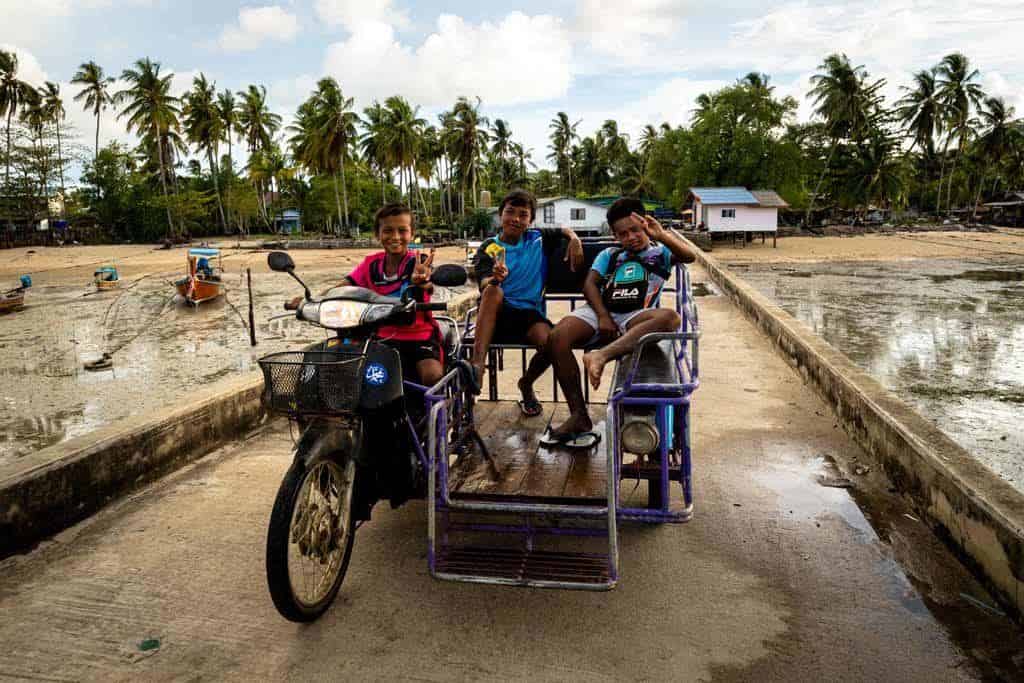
[[524, 469]]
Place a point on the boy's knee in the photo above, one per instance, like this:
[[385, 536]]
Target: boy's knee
[[668, 319], [558, 340]]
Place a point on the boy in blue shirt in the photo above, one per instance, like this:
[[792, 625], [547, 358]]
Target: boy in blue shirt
[[623, 293], [511, 269]]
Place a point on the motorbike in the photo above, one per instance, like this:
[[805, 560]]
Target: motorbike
[[363, 433]]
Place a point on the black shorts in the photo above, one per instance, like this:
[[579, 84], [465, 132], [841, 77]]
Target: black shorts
[[513, 323], [412, 352]]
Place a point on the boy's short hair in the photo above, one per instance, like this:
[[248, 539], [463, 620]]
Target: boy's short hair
[[519, 197], [392, 209], [622, 208]]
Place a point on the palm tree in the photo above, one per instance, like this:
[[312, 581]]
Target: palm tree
[[373, 144], [226, 111], [33, 115], [95, 92], [648, 137], [204, 129], [404, 128], [324, 132], [997, 137], [562, 135], [469, 139], [959, 92], [502, 137], [152, 112], [921, 111], [14, 93], [257, 125], [847, 103], [53, 107]]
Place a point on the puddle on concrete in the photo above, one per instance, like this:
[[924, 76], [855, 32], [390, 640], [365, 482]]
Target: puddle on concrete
[[944, 335], [924, 580]]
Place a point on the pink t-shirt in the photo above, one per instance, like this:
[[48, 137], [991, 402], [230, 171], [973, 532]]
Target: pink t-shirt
[[370, 275]]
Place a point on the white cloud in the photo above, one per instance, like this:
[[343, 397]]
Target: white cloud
[[629, 31], [519, 59], [350, 13], [257, 25]]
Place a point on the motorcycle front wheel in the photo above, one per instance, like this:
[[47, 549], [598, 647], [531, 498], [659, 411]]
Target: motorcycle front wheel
[[309, 541]]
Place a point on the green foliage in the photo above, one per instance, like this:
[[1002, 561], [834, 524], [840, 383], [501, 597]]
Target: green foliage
[[476, 224]]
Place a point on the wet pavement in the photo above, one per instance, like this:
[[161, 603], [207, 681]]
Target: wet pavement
[[163, 349], [798, 565], [947, 336]]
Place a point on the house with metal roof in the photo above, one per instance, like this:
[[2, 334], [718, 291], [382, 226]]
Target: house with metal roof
[[585, 217], [735, 209]]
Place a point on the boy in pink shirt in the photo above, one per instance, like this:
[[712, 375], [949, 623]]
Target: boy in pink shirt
[[391, 272]]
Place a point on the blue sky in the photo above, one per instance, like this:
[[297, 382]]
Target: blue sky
[[638, 62]]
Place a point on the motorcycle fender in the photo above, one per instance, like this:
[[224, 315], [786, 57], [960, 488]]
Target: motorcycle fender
[[320, 440]]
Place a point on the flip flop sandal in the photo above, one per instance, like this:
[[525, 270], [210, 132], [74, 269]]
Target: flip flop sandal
[[575, 440], [531, 407]]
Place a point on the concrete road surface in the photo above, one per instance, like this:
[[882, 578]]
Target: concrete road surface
[[783, 574]]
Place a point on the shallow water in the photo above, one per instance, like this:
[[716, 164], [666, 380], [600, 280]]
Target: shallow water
[[164, 350], [946, 336]]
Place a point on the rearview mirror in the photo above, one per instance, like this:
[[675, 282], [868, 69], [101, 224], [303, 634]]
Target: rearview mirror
[[449, 275], [280, 261]]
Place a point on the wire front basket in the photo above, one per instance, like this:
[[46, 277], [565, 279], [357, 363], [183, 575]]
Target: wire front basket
[[299, 383]]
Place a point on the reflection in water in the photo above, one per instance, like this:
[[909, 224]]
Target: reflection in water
[[166, 352], [945, 336]]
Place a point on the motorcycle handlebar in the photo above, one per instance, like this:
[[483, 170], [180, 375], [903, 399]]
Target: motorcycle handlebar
[[292, 305], [432, 307]]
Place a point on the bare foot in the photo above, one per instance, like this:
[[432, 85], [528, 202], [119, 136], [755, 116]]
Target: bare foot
[[575, 424], [593, 365]]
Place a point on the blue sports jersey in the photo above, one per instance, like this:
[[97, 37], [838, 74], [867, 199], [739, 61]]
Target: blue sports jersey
[[527, 265]]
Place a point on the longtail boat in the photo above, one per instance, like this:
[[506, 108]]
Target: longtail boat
[[13, 300], [106, 278], [203, 281]]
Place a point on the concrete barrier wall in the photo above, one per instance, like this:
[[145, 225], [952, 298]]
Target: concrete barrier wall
[[51, 489], [60, 485], [980, 514]]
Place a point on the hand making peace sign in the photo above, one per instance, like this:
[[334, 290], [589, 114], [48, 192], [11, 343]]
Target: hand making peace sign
[[424, 267], [651, 226]]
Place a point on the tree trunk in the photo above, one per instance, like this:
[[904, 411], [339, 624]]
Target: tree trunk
[[60, 167], [216, 190], [7, 176], [163, 184], [231, 175], [817, 185], [344, 191], [942, 176], [977, 198], [949, 184], [96, 156], [337, 198], [419, 192]]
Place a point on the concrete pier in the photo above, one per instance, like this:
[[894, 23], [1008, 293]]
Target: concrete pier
[[800, 564]]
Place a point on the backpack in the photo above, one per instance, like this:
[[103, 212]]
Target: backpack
[[625, 284]]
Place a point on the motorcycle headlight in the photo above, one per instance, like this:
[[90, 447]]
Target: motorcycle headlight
[[341, 314], [639, 436]]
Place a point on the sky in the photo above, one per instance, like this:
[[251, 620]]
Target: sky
[[638, 62]]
